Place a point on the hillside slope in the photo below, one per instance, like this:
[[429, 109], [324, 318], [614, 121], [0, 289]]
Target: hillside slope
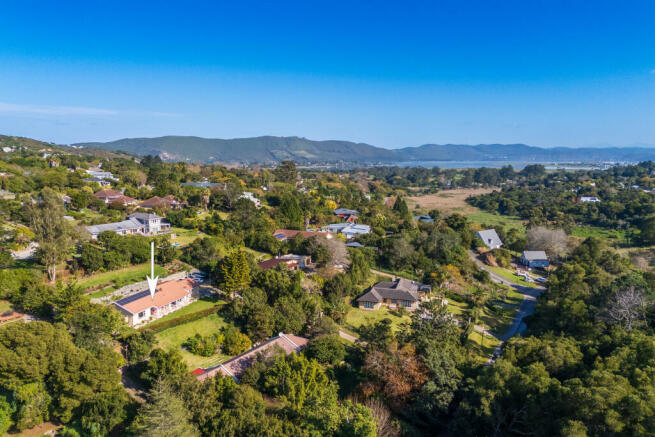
[[270, 149], [266, 149]]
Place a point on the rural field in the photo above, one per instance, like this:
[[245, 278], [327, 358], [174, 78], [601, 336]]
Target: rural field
[[447, 201], [454, 201]]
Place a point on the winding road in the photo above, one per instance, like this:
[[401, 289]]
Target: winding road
[[526, 307]]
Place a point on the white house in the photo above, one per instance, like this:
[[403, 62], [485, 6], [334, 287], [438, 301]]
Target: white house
[[137, 223], [592, 199], [142, 308], [355, 230], [101, 174], [490, 238], [350, 230], [250, 196]]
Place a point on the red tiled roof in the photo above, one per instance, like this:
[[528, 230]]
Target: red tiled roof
[[155, 201], [237, 365], [166, 293], [125, 200], [107, 193], [274, 262], [198, 371]]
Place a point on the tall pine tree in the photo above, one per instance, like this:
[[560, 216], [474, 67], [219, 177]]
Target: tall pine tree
[[234, 272], [164, 415]]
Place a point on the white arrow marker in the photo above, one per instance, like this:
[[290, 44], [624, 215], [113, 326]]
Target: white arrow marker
[[152, 279]]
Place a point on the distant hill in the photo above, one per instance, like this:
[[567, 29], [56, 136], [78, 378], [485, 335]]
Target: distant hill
[[269, 149], [265, 149], [37, 146], [522, 152]]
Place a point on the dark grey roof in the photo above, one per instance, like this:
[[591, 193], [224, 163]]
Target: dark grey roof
[[132, 298], [204, 184], [115, 227], [354, 244], [346, 211], [400, 289], [424, 218], [144, 216], [532, 255]]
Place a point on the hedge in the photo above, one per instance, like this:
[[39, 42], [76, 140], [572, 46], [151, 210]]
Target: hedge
[[158, 327]]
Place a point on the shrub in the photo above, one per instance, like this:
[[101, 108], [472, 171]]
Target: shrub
[[204, 345], [328, 349], [235, 341]]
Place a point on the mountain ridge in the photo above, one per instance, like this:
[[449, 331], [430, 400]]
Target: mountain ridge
[[272, 149]]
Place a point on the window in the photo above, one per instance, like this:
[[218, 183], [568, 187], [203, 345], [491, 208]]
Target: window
[[142, 314], [368, 305], [394, 301], [407, 303]]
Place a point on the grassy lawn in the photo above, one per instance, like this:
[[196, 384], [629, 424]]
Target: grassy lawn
[[258, 255], [483, 345], [184, 237], [358, 317], [199, 305], [510, 276], [457, 308], [174, 337], [119, 278], [613, 236], [488, 218], [5, 306]]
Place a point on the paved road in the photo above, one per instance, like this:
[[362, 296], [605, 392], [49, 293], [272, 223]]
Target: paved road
[[346, 336], [526, 307]]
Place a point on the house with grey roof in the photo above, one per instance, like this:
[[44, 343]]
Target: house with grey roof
[[394, 294], [345, 212], [490, 238], [424, 218], [137, 223], [534, 258], [353, 230]]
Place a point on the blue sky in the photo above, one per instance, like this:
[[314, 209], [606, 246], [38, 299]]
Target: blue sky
[[393, 74]]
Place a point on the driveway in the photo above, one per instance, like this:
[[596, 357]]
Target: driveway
[[526, 307]]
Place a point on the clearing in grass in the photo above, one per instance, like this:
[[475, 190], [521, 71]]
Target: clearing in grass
[[447, 201]]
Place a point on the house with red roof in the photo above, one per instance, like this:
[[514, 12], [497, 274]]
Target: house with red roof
[[235, 367], [123, 200], [292, 262], [107, 195], [161, 202], [141, 308]]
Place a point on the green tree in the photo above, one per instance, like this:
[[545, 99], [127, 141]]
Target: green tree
[[33, 405], [357, 421], [328, 349], [101, 413], [647, 231], [139, 345], [164, 415], [300, 383], [93, 326], [53, 233], [234, 272], [235, 342], [167, 365], [286, 172], [6, 411]]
